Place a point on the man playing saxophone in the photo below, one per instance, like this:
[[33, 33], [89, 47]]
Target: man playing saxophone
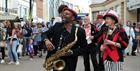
[[61, 36]]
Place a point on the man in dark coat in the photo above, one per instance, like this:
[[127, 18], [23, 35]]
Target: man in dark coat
[[61, 35]]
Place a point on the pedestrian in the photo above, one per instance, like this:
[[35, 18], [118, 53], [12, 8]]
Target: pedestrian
[[92, 47], [131, 35], [27, 34], [37, 31], [100, 22], [114, 40], [79, 21], [20, 39], [135, 40], [3, 44], [12, 42], [101, 26], [30, 49]]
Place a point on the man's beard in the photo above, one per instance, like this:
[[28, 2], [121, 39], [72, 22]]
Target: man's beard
[[66, 21]]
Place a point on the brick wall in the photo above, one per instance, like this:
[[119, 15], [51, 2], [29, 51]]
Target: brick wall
[[39, 4]]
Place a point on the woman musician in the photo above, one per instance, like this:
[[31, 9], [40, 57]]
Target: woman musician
[[114, 42]]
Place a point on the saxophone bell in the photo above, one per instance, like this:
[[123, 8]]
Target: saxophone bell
[[56, 65], [59, 65]]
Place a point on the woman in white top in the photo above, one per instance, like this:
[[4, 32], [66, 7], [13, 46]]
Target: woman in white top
[[131, 35]]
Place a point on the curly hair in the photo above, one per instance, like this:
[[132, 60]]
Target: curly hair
[[61, 7]]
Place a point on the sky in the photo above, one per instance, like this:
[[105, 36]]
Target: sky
[[84, 3], [97, 1], [81, 3]]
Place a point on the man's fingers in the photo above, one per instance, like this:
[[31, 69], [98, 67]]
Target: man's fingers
[[102, 48], [50, 47]]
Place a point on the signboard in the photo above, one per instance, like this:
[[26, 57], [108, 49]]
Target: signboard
[[9, 17], [133, 4], [82, 14]]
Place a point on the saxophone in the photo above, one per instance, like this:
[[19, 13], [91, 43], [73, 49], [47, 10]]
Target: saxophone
[[53, 62]]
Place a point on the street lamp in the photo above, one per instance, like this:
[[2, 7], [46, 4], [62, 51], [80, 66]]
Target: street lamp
[[30, 9], [6, 7]]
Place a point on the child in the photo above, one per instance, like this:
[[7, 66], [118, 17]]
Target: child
[[30, 49], [19, 50]]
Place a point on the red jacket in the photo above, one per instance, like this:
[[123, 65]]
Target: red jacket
[[112, 52]]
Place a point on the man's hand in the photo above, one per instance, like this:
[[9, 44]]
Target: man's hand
[[68, 53], [49, 45], [102, 48]]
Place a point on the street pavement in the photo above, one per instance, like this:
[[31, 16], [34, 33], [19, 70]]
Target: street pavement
[[132, 63]]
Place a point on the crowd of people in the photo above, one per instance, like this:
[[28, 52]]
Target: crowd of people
[[21, 40], [106, 42]]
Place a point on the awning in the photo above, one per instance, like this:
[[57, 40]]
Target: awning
[[9, 17]]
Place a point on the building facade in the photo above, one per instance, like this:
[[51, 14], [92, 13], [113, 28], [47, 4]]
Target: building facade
[[39, 8], [120, 6], [18, 8], [43, 10], [23, 9], [53, 7], [12, 7], [134, 5]]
